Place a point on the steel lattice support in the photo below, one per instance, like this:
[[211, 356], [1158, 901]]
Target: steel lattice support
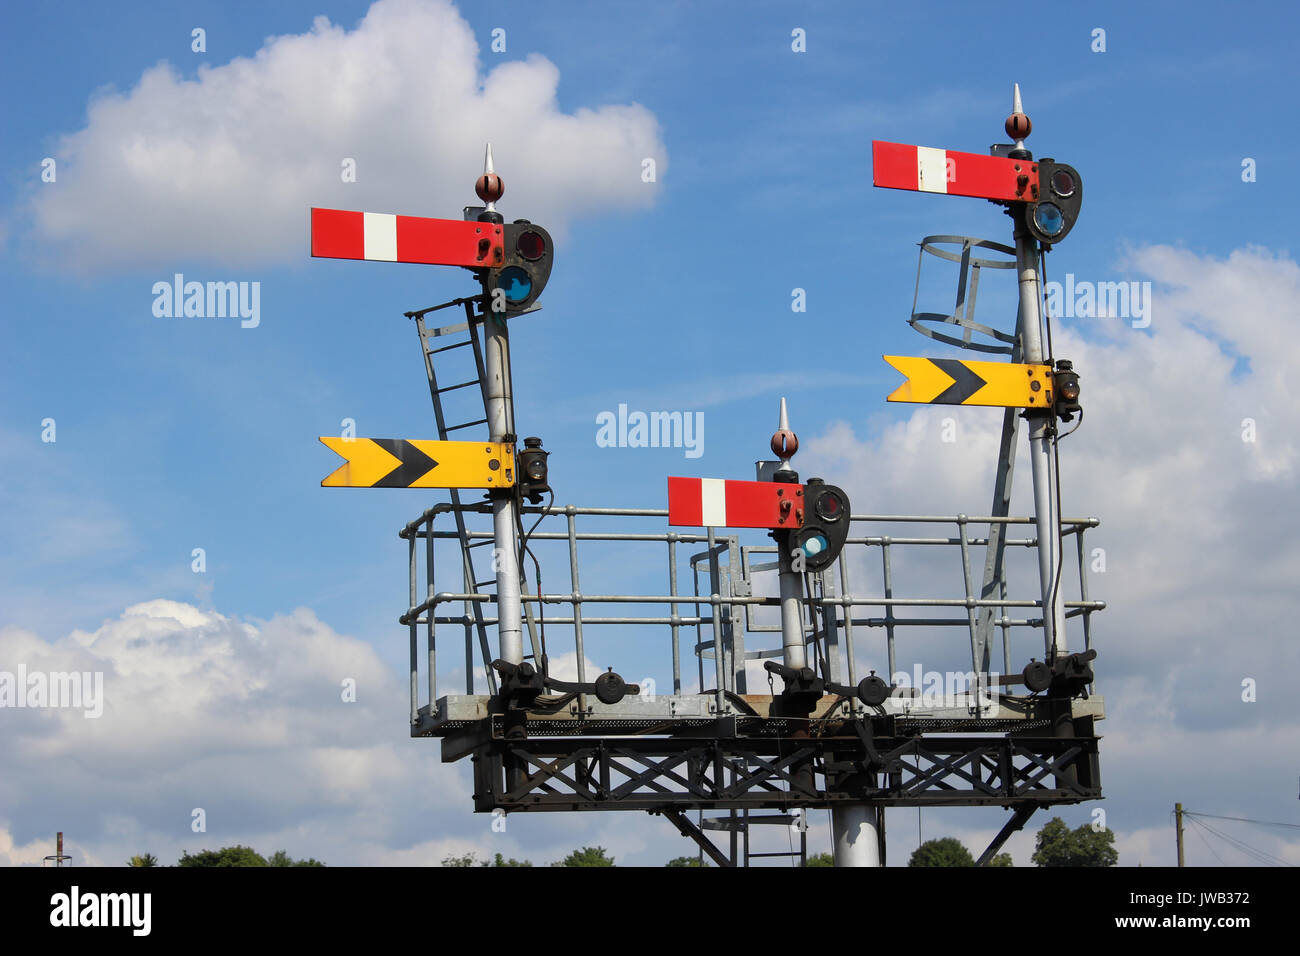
[[661, 774]]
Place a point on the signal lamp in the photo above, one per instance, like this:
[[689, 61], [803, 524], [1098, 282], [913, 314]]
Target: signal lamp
[[520, 279], [1065, 384], [533, 470], [825, 527], [1056, 206]]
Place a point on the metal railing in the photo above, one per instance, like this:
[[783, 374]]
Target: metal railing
[[727, 609]]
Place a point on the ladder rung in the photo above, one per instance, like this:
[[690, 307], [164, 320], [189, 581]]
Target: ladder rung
[[452, 388], [448, 348], [480, 542], [481, 421]]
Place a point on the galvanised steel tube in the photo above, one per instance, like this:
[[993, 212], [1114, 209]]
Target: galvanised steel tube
[[715, 599], [889, 610], [1040, 447], [415, 676], [579, 648], [496, 392], [431, 637], [848, 620], [857, 842], [673, 621], [663, 513], [718, 600], [792, 643]]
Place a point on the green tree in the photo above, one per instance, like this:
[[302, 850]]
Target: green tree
[[685, 861], [1002, 859], [820, 859], [946, 851], [226, 856], [469, 859], [280, 858], [587, 856], [1058, 845], [144, 859]]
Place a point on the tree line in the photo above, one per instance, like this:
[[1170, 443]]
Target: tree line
[[1055, 845]]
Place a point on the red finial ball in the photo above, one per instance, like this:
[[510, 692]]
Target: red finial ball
[[784, 444], [1018, 126], [489, 187]]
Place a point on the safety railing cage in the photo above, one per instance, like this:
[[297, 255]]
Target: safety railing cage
[[721, 608]]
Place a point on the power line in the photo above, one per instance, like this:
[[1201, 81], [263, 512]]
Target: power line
[[1208, 847], [1261, 856], [1263, 823]]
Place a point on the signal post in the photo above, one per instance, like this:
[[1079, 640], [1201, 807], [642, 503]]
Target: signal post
[[499, 403]]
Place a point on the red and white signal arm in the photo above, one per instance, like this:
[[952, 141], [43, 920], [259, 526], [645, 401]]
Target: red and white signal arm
[[928, 170], [719, 503], [380, 237]]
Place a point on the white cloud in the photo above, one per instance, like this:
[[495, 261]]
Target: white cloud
[[223, 167], [244, 720]]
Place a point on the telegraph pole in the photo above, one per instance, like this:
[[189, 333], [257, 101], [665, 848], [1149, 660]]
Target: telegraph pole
[[59, 857], [500, 418], [1178, 829]]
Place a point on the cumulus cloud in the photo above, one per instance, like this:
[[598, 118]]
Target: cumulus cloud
[[223, 166], [245, 720]]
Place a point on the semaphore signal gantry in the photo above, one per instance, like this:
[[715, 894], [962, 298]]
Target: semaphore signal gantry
[[746, 561]]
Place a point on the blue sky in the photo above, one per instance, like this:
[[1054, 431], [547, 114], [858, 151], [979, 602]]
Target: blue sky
[[175, 434]]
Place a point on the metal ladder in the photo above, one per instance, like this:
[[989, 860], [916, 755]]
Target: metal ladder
[[430, 347]]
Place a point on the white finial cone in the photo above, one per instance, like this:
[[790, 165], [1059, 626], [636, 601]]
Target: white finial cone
[[783, 423], [1016, 106], [488, 170]]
